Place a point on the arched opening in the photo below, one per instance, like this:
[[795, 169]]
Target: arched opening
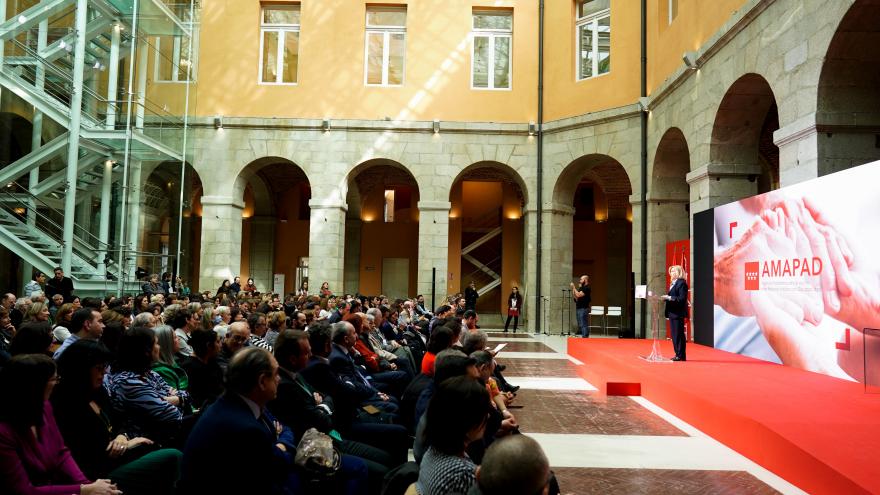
[[743, 134], [486, 234], [163, 217], [669, 200], [848, 108], [274, 224], [381, 230], [592, 196]]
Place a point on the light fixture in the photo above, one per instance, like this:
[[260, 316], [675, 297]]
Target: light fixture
[[325, 125], [436, 126], [218, 122], [97, 65], [22, 19], [62, 45], [690, 60], [533, 129], [643, 103]]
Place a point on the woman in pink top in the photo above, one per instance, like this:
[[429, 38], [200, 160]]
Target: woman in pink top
[[33, 458]]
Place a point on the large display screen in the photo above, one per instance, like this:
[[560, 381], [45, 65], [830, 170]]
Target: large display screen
[[797, 275]]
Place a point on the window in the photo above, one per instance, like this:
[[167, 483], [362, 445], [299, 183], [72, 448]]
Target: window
[[385, 46], [389, 205], [279, 44], [673, 10], [172, 58], [490, 63], [593, 33]]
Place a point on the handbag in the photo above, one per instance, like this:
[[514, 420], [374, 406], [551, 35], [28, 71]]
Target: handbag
[[316, 455]]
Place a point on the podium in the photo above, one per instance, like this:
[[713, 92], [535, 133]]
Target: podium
[[655, 303]]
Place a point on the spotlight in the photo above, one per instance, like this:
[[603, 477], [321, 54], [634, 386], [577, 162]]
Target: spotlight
[[533, 129], [218, 122], [436, 126], [325, 125], [690, 60], [22, 19], [643, 103]]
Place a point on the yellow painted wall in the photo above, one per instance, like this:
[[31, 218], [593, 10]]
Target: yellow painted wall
[[696, 22]]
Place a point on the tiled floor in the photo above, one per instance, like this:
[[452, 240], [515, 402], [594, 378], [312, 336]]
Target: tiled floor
[[616, 445]]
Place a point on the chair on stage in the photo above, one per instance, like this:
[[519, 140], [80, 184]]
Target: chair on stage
[[613, 312], [598, 311]]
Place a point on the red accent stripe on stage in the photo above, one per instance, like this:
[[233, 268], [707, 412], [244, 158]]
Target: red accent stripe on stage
[[820, 433]]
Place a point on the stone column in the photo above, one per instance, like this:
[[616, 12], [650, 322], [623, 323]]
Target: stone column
[[133, 214], [433, 247], [262, 251], [327, 241], [668, 220], [352, 255], [221, 240], [557, 268]]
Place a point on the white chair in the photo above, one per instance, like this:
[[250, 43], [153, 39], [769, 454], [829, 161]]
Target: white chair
[[613, 311], [598, 311]]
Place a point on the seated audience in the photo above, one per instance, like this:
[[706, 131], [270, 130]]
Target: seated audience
[[277, 322], [166, 365], [94, 433], [456, 417], [32, 338], [150, 407], [441, 339], [86, 323], [61, 329], [237, 337], [515, 465], [204, 372], [33, 458], [259, 327]]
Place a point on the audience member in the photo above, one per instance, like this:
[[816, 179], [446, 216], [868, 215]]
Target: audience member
[[32, 338], [515, 465], [86, 323], [59, 284], [204, 372]]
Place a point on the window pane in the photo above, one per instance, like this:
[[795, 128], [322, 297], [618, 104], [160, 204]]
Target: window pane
[[184, 59], [164, 58], [270, 55], [375, 42], [590, 7], [281, 15], [386, 17], [502, 62], [396, 58], [673, 10], [585, 47], [291, 56], [493, 20], [481, 62], [604, 33]]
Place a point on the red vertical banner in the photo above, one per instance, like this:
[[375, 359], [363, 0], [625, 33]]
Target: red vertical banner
[[679, 253]]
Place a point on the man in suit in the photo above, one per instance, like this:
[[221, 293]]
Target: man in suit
[[343, 365], [60, 284], [677, 311], [298, 404], [238, 423]]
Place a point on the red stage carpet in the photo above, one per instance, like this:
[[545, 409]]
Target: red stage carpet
[[822, 434]]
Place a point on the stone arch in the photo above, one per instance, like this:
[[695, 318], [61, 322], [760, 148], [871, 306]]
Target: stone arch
[[591, 219], [487, 234], [274, 195], [742, 133], [848, 106], [381, 252]]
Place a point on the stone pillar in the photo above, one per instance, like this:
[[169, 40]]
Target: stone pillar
[[262, 251], [221, 240], [636, 226], [352, 255], [668, 220], [798, 145], [557, 268], [433, 247], [327, 241], [133, 215]]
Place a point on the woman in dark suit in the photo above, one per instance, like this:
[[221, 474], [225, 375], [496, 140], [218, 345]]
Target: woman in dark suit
[[514, 306], [677, 310]]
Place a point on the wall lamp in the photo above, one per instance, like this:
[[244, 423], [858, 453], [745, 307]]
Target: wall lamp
[[325, 125], [643, 103], [690, 60], [533, 129], [218, 122], [436, 126]]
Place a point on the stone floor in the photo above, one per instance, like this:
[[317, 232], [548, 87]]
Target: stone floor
[[616, 445]]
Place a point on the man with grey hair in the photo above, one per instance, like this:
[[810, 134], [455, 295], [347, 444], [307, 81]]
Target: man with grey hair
[[8, 301], [237, 337], [225, 315], [476, 340], [145, 319], [514, 465]]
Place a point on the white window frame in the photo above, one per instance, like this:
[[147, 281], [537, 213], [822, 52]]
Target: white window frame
[[672, 13], [386, 32], [282, 30], [593, 20], [492, 34], [175, 59]]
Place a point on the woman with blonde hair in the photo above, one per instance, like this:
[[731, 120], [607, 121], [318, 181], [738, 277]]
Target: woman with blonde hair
[[677, 310], [277, 321], [61, 329], [38, 312]]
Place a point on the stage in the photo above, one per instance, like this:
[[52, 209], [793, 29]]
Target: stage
[[820, 433]]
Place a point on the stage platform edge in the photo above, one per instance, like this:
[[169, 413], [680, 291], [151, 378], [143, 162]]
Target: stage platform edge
[[820, 433]]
